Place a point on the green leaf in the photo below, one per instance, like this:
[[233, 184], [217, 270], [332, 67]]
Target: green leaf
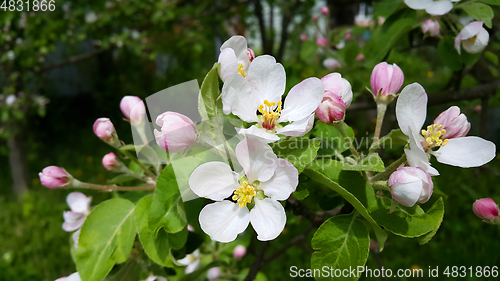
[[209, 104], [371, 162], [491, 2], [341, 242], [331, 138], [448, 54], [299, 152], [308, 50], [479, 11], [409, 222], [167, 208], [394, 137], [122, 178], [386, 8], [155, 245], [107, 237], [321, 173]]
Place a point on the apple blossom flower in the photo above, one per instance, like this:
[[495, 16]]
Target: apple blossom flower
[[235, 57], [325, 11], [192, 261], [315, 18], [261, 92], [410, 185], [213, 273], [73, 277], [239, 252], [360, 57], [54, 177], [486, 209], [348, 34], [431, 27], [447, 134], [435, 8], [10, 100], [177, 133], [474, 38], [156, 278], [265, 179], [338, 96], [113, 164], [133, 109], [322, 42], [90, 17], [104, 129], [80, 209], [386, 79], [303, 37], [331, 64]]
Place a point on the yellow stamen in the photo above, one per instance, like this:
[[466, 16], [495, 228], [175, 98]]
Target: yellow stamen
[[270, 111], [241, 70], [244, 194], [434, 136]]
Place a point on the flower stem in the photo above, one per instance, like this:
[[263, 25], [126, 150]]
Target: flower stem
[[388, 171], [340, 126], [381, 108], [112, 187], [131, 157]]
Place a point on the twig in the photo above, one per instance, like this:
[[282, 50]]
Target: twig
[[72, 60], [258, 263], [391, 168], [108, 188]]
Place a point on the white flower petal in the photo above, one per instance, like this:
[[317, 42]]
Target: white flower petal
[[283, 182], [73, 221], [78, 202], [477, 45], [223, 221], [257, 159], [302, 100], [268, 218], [438, 8], [76, 237], [237, 97], [407, 193], [466, 152], [418, 4], [298, 128], [74, 277], [411, 108], [228, 64], [267, 79], [258, 133], [192, 266], [237, 43], [417, 157], [214, 180], [471, 30]]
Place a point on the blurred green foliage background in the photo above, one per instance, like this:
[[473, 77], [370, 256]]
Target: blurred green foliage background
[[83, 66]]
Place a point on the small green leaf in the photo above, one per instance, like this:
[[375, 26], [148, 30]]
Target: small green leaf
[[331, 139], [323, 173], [409, 222], [107, 237], [371, 162], [448, 54], [394, 137], [386, 8], [479, 11], [155, 245], [167, 208], [299, 152], [341, 242], [209, 104]]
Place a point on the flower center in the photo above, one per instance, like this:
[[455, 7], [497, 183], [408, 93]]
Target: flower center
[[244, 194], [433, 136], [270, 111], [472, 39], [241, 70]]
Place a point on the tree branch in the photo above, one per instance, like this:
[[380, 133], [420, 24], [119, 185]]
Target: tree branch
[[72, 60]]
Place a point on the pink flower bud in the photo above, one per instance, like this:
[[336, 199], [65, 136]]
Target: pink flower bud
[[485, 209], [322, 42], [478, 108], [104, 129], [54, 177], [386, 79], [338, 96], [213, 273], [331, 64], [133, 108], [303, 37], [348, 34], [431, 27], [325, 11], [454, 123], [315, 18], [360, 57], [112, 163], [411, 185], [177, 132], [250, 54], [239, 252]]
